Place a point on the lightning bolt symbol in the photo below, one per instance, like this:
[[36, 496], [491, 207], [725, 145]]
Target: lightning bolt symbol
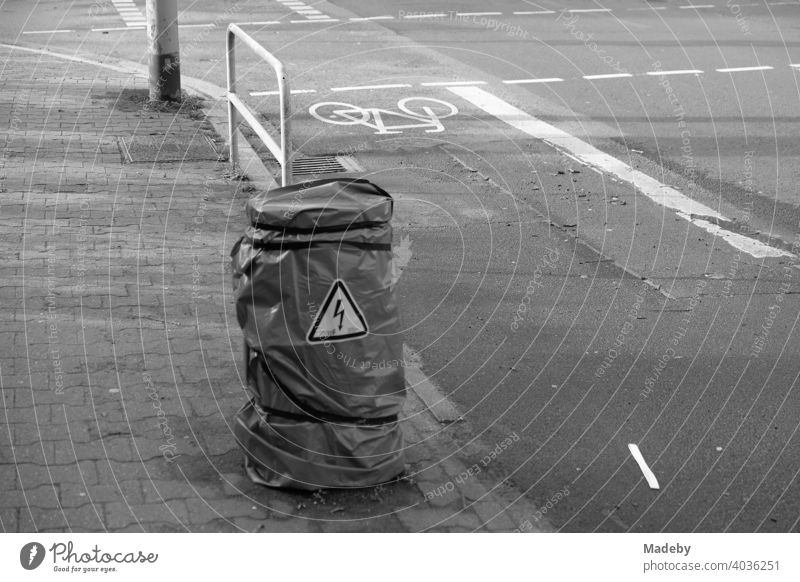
[[339, 312], [34, 551]]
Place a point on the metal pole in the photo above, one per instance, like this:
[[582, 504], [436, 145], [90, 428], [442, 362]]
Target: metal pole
[[162, 46], [233, 121]]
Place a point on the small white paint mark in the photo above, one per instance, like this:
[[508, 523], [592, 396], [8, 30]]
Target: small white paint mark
[[609, 76], [743, 69], [524, 81], [648, 474]]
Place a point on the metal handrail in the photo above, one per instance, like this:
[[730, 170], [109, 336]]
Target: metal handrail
[[237, 107]]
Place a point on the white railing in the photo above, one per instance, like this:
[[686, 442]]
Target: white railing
[[237, 107]]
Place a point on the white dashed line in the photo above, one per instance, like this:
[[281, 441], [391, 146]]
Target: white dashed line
[[797, 66], [676, 72], [609, 76], [417, 16], [452, 83], [533, 12], [698, 214], [365, 18], [524, 81], [45, 31], [313, 21], [372, 87], [293, 92], [119, 28], [584, 10], [743, 69]]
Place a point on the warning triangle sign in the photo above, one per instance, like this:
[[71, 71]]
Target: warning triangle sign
[[339, 319]]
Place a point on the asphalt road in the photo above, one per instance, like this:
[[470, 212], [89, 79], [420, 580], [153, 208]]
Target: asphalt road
[[548, 298]]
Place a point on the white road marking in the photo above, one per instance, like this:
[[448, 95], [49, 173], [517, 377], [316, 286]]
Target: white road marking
[[309, 12], [129, 12], [531, 12], [609, 76], [797, 66], [523, 81], [119, 28], [698, 214], [369, 87], [451, 83], [293, 92], [258, 23], [743, 69], [313, 21], [676, 72], [648, 474], [436, 15], [363, 18], [45, 31], [576, 10]]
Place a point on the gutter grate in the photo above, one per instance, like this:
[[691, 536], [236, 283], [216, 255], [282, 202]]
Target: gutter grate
[[324, 164]]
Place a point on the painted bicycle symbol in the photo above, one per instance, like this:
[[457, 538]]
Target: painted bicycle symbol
[[414, 113]]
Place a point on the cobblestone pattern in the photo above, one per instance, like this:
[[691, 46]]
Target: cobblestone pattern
[[119, 354]]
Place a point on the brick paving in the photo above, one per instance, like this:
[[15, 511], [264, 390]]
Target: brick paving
[[119, 352]]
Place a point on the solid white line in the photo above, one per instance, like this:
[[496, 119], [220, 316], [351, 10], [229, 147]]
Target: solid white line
[[523, 81], [531, 12], [479, 13], [648, 474], [743, 69], [688, 209], [44, 31], [362, 18], [452, 83], [676, 72], [368, 87], [610, 76]]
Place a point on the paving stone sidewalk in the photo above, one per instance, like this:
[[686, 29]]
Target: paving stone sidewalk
[[120, 359]]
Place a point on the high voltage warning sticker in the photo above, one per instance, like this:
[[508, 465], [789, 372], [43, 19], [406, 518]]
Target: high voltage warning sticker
[[339, 319]]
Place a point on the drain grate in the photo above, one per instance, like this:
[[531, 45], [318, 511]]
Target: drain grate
[[148, 149], [324, 164]]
